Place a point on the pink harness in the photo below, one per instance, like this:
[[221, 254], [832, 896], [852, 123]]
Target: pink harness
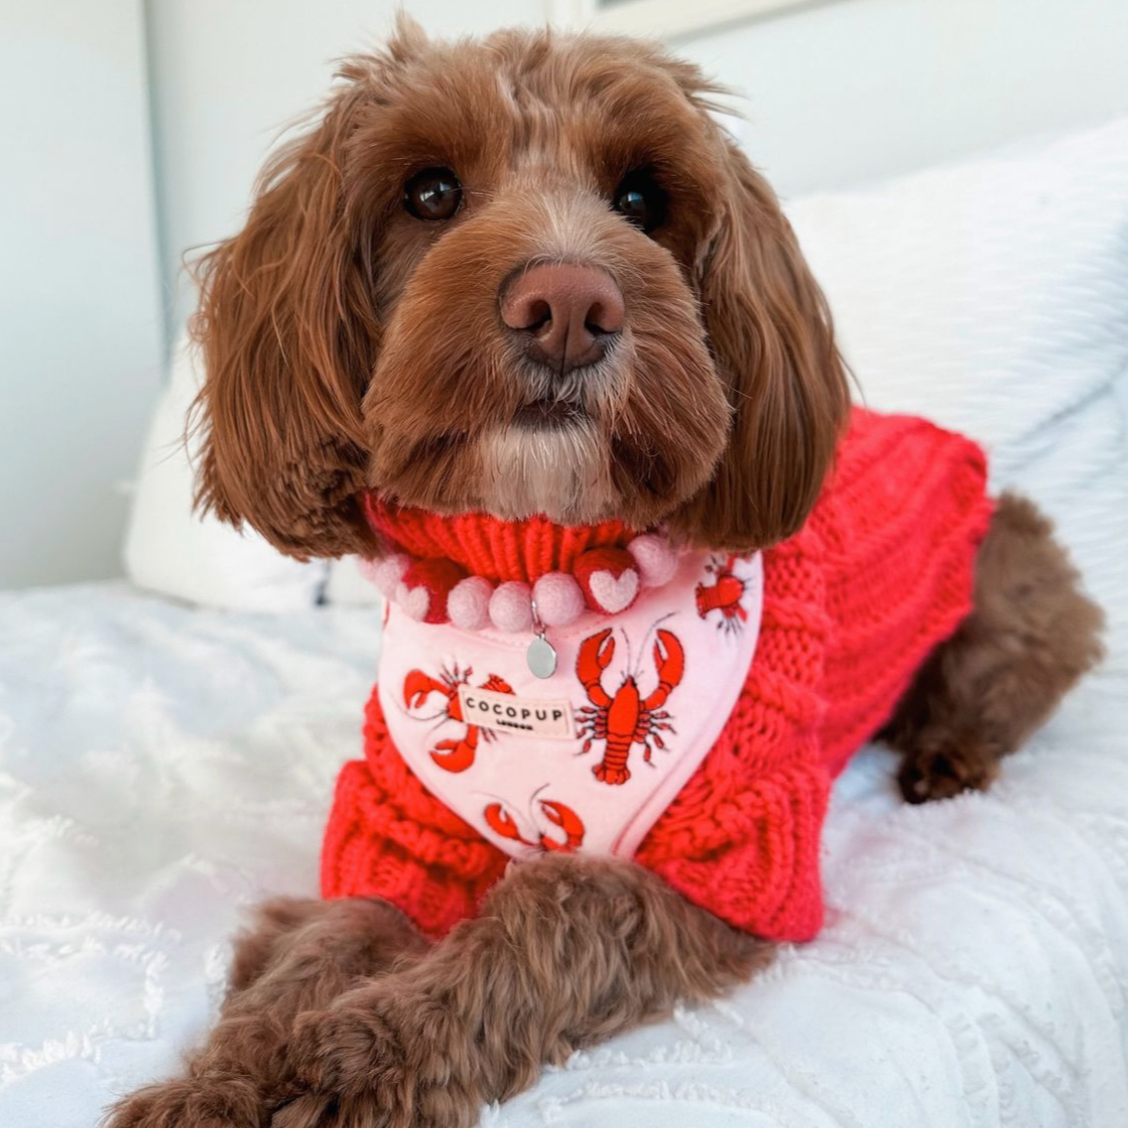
[[590, 757]]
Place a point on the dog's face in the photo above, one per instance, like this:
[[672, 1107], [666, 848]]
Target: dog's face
[[526, 275], [542, 222]]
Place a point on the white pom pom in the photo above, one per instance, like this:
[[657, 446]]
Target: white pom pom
[[468, 604], [386, 574], [656, 561], [368, 568], [413, 601], [510, 607], [560, 599]]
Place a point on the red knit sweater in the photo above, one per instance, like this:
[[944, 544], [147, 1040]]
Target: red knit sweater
[[879, 575]]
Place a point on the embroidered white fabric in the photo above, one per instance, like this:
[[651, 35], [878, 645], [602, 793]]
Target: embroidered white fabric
[[161, 766]]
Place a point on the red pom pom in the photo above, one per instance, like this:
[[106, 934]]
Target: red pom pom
[[608, 577], [435, 578]]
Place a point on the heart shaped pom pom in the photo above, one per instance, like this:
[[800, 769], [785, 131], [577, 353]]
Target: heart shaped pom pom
[[386, 574], [560, 601], [608, 578], [614, 595], [425, 587], [655, 560], [510, 608], [468, 604]]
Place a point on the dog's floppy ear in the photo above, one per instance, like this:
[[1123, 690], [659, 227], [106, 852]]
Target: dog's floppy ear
[[773, 344], [289, 334]]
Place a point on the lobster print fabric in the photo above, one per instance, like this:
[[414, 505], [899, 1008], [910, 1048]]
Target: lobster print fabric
[[589, 758]]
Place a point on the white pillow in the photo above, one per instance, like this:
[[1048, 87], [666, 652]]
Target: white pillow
[[993, 297], [990, 296], [171, 550]]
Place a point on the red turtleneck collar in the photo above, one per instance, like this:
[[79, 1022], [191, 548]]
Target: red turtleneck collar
[[487, 546]]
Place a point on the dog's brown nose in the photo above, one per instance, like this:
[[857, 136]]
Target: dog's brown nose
[[566, 314]]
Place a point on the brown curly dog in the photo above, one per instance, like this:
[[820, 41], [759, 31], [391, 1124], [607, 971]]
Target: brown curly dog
[[354, 314]]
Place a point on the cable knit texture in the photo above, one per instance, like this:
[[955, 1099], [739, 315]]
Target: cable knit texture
[[879, 575]]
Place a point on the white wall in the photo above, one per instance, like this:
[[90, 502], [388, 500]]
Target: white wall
[[80, 339], [859, 89]]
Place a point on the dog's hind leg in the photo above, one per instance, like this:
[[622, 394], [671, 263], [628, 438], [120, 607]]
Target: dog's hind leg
[[298, 955], [1031, 635]]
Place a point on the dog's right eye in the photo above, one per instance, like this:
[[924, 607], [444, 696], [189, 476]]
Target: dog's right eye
[[434, 193]]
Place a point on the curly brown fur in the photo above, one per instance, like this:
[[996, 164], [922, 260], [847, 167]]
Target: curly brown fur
[[1031, 636], [272, 927], [567, 952], [297, 955]]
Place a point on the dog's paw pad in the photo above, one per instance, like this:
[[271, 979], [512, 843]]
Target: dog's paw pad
[[945, 773]]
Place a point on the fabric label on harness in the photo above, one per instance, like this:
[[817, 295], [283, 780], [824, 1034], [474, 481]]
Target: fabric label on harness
[[506, 713]]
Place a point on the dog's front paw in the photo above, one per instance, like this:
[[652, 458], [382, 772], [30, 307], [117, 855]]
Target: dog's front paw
[[944, 772], [380, 1063], [204, 1101], [347, 1051]]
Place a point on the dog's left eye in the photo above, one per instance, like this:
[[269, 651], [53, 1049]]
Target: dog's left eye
[[434, 193], [640, 199]]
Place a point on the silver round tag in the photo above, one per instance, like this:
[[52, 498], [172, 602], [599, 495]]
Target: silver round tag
[[541, 657]]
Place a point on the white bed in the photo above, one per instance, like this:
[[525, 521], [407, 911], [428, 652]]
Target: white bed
[[163, 765]]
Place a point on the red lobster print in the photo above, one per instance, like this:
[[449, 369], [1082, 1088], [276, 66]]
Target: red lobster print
[[451, 755], [558, 814], [627, 718], [723, 594]]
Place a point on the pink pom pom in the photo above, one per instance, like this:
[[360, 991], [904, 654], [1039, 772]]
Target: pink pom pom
[[386, 574], [468, 604], [510, 609], [656, 561], [560, 599]]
